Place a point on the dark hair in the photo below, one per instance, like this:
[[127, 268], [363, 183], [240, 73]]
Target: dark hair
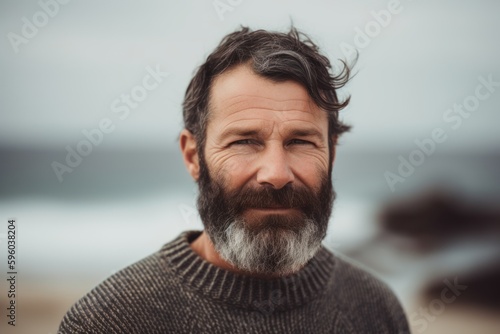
[[276, 56]]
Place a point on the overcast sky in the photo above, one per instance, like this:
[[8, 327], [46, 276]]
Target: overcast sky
[[64, 78]]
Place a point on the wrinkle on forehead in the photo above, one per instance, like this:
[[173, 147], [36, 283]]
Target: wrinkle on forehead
[[242, 95], [254, 106], [246, 101]]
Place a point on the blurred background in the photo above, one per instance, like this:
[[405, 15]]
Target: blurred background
[[418, 177]]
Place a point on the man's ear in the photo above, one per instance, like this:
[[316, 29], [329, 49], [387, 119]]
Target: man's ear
[[190, 153]]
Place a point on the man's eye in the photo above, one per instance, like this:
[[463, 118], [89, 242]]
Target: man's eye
[[243, 142], [299, 142]]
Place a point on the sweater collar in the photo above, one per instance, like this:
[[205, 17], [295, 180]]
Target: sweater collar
[[248, 291]]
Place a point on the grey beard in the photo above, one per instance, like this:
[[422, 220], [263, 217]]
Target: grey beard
[[272, 251]]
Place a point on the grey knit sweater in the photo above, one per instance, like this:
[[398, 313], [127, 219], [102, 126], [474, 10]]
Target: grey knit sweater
[[176, 291]]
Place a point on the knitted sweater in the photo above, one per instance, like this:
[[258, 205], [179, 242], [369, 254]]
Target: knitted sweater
[[176, 291]]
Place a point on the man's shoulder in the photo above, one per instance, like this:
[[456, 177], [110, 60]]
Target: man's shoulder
[[356, 276], [146, 275], [358, 291], [116, 303], [138, 276]]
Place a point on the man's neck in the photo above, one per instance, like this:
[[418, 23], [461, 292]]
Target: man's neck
[[204, 247]]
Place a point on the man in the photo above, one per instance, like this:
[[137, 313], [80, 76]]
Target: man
[[261, 125]]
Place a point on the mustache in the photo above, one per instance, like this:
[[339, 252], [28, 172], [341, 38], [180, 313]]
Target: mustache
[[267, 197]]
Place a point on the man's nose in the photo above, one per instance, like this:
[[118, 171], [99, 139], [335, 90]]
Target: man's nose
[[274, 168]]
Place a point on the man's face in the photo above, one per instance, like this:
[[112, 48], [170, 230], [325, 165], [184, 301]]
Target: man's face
[[265, 185]]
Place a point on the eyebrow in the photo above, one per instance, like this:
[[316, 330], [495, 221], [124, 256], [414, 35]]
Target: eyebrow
[[306, 133], [239, 132]]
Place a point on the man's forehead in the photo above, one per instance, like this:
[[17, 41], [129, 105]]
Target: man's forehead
[[241, 90], [246, 101]]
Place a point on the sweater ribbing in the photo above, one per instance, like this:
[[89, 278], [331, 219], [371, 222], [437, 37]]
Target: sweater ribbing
[[246, 291]]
